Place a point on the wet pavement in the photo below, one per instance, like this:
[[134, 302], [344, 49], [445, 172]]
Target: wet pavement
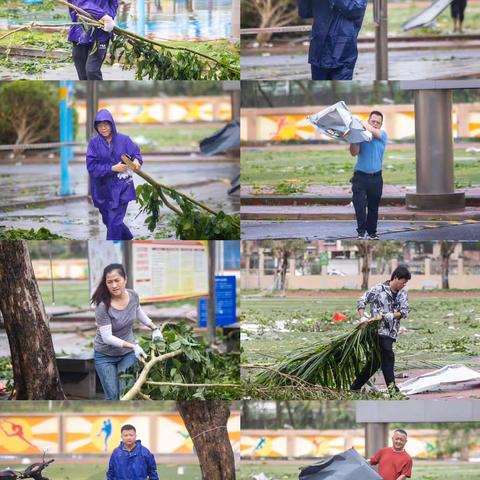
[[333, 230], [418, 65], [78, 218]]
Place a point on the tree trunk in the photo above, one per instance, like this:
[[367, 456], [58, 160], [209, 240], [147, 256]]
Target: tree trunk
[[365, 252], [35, 369], [446, 249], [206, 422]]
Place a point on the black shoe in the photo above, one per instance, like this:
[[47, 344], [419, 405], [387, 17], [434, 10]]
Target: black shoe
[[362, 236], [372, 237]]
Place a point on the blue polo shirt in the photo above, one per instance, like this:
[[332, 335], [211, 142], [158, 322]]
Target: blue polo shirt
[[370, 158]]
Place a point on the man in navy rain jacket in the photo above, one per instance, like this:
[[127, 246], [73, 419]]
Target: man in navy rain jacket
[[90, 46], [333, 45], [111, 181], [131, 460]]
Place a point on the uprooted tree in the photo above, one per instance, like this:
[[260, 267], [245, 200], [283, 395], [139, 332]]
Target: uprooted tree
[[35, 371], [206, 422]]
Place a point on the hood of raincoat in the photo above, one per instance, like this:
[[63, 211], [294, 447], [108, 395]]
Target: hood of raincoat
[[138, 464], [105, 116]]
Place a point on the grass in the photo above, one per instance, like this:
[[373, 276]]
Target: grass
[[440, 331], [336, 167], [420, 472], [96, 471], [161, 136]]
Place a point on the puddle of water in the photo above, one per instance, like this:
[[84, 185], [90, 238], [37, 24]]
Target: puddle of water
[[164, 19]]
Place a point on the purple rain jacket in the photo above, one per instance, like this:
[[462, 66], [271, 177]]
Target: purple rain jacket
[[109, 189], [97, 9]]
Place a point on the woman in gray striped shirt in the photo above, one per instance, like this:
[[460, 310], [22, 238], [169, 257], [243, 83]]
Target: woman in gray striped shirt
[[115, 347]]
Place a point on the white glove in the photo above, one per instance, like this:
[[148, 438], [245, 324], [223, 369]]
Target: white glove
[[139, 352], [108, 23], [364, 319], [157, 335], [388, 316]]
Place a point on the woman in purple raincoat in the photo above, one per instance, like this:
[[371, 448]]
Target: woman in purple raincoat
[[111, 181], [90, 47]]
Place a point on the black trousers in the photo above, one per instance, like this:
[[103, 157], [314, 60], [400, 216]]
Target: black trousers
[[367, 193], [457, 9], [387, 362], [341, 73], [88, 64]]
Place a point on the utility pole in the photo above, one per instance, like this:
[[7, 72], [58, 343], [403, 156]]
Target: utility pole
[[380, 18]]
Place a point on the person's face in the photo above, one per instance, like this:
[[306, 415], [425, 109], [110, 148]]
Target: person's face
[[375, 121], [398, 283], [129, 437], [116, 284], [399, 440], [104, 128]]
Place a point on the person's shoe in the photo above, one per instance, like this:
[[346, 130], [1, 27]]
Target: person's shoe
[[372, 237], [362, 236]]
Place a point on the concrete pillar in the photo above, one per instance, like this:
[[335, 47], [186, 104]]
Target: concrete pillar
[[235, 35], [381, 39], [434, 153], [235, 101], [261, 260], [428, 266], [460, 266], [376, 437]]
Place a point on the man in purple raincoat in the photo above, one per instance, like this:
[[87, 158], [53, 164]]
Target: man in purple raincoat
[[90, 46], [111, 181]]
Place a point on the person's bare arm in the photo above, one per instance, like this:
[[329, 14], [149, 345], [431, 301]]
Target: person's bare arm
[[402, 477], [354, 149], [376, 132]]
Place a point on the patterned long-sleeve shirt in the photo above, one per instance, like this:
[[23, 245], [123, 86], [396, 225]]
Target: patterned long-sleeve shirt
[[382, 300]]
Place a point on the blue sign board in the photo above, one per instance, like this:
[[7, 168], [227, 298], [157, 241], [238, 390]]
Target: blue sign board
[[226, 302]]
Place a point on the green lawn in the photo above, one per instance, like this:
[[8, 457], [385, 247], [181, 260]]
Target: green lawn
[[440, 331], [336, 167], [82, 471], [161, 137], [420, 472], [71, 293]]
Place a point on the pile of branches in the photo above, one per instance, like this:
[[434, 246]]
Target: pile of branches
[[192, 220], [160, 61], [183, 367], [333, 365]]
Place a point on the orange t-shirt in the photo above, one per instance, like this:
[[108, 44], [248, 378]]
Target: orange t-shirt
[[392, 464]]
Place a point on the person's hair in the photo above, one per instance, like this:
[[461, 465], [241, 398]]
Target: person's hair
[[102, 294], [376, 112], [128, 427], [401, 272], [400, 430]]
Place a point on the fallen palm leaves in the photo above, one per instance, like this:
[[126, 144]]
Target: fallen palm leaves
[[183, 367], [333, 365], [192, 220], [160, 61]]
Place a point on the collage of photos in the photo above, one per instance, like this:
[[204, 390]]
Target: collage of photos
[[240, 239]]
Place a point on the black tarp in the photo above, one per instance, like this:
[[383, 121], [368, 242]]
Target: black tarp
[[228, 138], [349, 465]]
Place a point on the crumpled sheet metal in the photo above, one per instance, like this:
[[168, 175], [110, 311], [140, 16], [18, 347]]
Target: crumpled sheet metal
[[338, 122]]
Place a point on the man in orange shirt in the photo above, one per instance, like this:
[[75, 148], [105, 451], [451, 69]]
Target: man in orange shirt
[[394, 463]]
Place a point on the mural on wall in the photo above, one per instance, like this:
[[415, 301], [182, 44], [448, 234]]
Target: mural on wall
[[166, 110], [164, 433], [29, 435]]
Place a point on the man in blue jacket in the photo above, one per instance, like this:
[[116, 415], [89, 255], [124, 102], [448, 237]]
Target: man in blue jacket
[[131, 460], [333, 44], [90, 46], [111, 181]]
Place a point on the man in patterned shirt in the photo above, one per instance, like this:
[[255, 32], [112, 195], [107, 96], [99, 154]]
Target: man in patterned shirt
[[390, 301]]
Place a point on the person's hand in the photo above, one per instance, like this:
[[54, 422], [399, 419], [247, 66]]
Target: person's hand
[[157, 335], [138, 165], [108, 23], [139, 352], [363, 322], [388, 316], [119, 167]]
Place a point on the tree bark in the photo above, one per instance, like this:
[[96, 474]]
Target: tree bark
[[446, 249], [365, 252], [35, 369], [206, 422]]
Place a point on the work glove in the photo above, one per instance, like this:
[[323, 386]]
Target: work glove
[[157, 335], [139, 352], [388, 317], [364, 319], [108, 23]]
